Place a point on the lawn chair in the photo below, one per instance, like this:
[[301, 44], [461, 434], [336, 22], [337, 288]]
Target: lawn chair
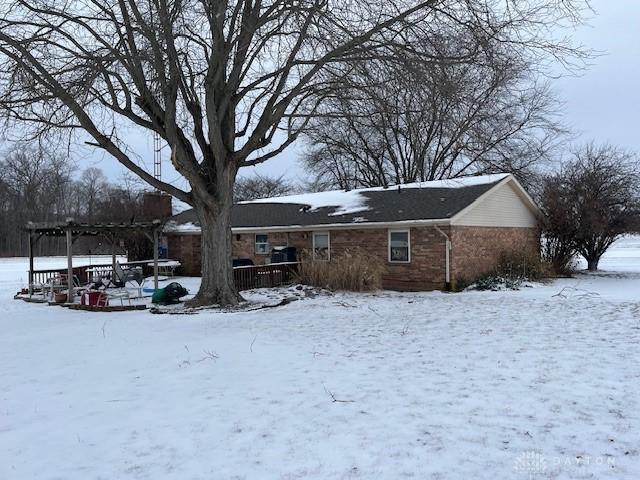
[[120, 294], [121, 276], [59, 284]]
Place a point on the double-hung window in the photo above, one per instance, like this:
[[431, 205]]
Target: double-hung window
[[321, 245], [399, 246], [262, 244]]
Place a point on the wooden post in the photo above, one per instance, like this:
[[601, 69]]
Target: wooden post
[[113, 257], [155, 258], [70, 295], [30, 264]]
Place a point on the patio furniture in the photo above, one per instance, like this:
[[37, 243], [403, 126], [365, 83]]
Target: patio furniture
[[73, 230], [166, 267], [59, 284], [121, 294], [121, 275], [96, 298]]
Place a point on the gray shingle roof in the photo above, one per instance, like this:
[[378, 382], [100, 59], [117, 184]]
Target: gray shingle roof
[[384, 206]]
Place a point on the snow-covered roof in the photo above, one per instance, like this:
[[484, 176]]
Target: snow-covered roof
[[178, 206], [353, 201], [188, 227], [435, 201]]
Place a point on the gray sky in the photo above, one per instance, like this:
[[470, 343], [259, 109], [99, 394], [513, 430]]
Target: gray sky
[[602, 104]]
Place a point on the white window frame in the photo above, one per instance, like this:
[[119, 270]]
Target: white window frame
[[255, 244], [313, 244], [399, 230]]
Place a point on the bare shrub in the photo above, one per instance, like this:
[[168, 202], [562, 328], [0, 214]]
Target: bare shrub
[[512, 269], [522, 266], [558, 253], [351, 269]]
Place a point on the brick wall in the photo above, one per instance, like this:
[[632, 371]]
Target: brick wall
[[186, 249], [476, 251], [156, 205], [244, 246], [424, 272]]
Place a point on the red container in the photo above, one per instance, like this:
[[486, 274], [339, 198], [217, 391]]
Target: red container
[[95, 298]]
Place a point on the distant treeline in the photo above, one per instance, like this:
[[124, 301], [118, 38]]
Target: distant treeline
[[41, 187]]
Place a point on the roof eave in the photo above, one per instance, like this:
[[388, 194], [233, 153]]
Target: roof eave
[[328, 226]]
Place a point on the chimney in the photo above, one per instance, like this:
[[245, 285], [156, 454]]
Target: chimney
[[156, 206]]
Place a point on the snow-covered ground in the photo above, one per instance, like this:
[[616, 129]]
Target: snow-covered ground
[[540, 383]]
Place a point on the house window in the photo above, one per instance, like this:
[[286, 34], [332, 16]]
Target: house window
[[321, 245], [262, 244], [399, 246]]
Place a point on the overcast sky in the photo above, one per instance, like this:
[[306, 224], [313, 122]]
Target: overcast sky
[[602, 104]]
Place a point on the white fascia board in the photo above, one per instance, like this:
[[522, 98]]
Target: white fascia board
[[330, 226], [342, 226]]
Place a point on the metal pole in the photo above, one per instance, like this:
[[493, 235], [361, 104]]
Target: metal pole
[[69, 266], [155, 258]]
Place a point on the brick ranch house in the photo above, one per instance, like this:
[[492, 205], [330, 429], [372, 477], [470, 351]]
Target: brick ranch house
[[429, 235]]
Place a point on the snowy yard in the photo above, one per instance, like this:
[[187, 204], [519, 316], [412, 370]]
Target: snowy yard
[[540, 383]]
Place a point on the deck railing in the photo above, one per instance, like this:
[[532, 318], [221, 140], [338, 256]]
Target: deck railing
[[254, 276], [44, 276], [264, 276]]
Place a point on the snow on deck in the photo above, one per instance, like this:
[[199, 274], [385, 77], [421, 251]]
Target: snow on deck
[[352, 201], [540, 383]]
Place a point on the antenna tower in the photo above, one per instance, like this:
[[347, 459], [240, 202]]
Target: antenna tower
[[157, 156]]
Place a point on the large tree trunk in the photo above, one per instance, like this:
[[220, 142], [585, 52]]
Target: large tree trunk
[[218, 286], [592, 264]]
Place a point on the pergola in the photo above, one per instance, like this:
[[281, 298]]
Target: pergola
[[72, 231]]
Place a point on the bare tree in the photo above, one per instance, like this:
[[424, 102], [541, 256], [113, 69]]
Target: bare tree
[[421, 122], [93, 187], [34, 186], [557, 224], [592, 202], [262, 186], [217, 80]]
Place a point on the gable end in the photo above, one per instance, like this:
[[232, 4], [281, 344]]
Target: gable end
[[506, 205]]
